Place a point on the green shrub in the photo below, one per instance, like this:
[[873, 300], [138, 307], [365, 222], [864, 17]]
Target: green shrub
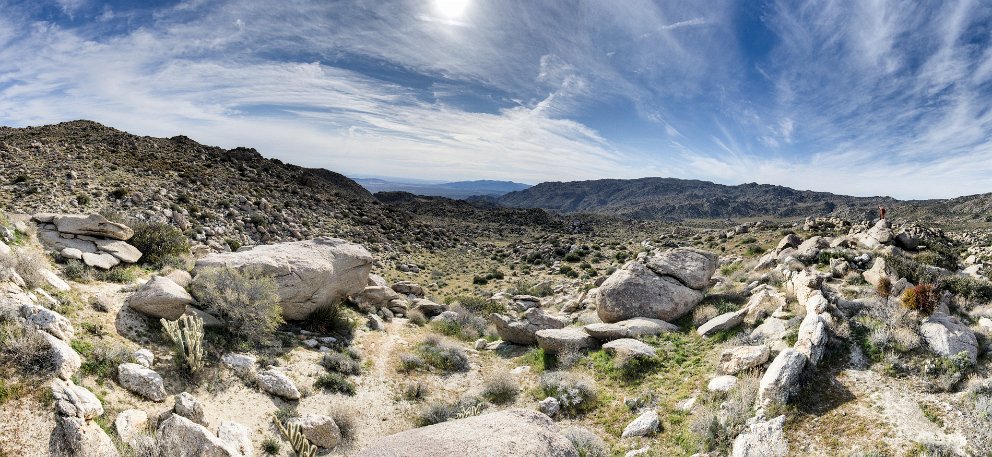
[[463, 325], [100, 359], [416, 317], [410, 362], [972, 289], [629, 369], [442, 356], [335, 382], [271, 446], [158, 241], [119, 193], [754, 249], [77, 271], [342, 362], [246, 300], [568, 271], [121, 274], [527, 287], [923, 298], [500, 389], [475, 304], [576, 395], [335, 320]]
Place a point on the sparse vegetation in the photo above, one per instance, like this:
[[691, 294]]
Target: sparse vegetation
[[442, 356], [575, 393], [158, 242], [586, 442], [500, 389], [245, 300], [923, 298], [335, 382]]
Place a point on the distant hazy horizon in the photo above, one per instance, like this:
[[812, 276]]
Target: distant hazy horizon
[[854, 98]]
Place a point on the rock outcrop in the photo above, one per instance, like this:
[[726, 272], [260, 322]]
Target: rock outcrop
[[523, 331], [310, 275], [667, 288], [160, 297]]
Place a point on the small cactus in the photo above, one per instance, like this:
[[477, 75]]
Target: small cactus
[[187, 337], [294, 434]]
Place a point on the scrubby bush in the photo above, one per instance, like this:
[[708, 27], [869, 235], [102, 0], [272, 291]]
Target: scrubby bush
[[245, 300], [335, 320], [271, 446], [442, 356], [335, 382], [410, 362], [158, 242], [346, 418], [586, 442], [24, 349], [416, 317], [77, 271], [440, 411], [27, 263], [972, 289], [723, 415], [463, 324], [483, 306], [500, 389], [703, 314], [122, 274], [528, 287], [884, 287], [576, 394], [345, 362], [923, 298], [415, 391], [101, 359]]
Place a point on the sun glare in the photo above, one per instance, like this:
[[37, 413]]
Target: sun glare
[[451, 9]]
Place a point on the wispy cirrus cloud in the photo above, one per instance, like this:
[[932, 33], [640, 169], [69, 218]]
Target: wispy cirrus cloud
[[858, 97]]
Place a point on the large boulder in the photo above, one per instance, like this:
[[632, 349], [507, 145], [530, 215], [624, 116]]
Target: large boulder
[[762, 439], [780, 379], [160, 297], [321, 430], [812, 339], [564, 340], [737, 359], [120, 249], [630, 328], [725, 321], [141, 381], [522, 331], [880, 269], [637, 291], [92, 225], [947, 337], [310, 274], [76, 434], [181, 437], [691, 267], [503, 433]]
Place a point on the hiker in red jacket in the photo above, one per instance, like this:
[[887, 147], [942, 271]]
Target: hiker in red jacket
[[881, 212]]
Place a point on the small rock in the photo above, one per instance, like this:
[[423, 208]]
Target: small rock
[[626, 348], [188, 407], [722, 383], [144, 357], [549, 406], [645, 424], [277, 383], [141, 381], [319, 429]]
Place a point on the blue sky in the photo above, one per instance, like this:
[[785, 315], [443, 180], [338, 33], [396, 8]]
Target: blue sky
[[861, 97]]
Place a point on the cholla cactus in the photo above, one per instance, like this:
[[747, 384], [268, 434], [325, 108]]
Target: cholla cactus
[[300, 444], [187, 337]]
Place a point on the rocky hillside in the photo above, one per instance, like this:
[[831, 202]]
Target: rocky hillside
[[218, 197], [669, 198]]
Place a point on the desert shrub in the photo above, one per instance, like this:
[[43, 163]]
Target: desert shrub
[[122, 274], [576, 394], [754, 250], [722, 416], [158, 241], [100, 359], [703, 314], [10, 390], [730, 268], [346, 362], [410, 362], [475, 304], [245, 299], [625, 369], [528, 287], [346, 418], [77, 271], [415, 391], [335, 320], [538, 360], [442, 356], [586, 442], [22, 348], [500, 389], [972, 289], [335, 382], [884, 287], [416, 317], [440, 411], [271, 446], [568, 271], [923, 298], [463, 324], [26, 263]]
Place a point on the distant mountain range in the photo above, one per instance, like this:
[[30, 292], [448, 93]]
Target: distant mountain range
[[458, 190], [670, 198]]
